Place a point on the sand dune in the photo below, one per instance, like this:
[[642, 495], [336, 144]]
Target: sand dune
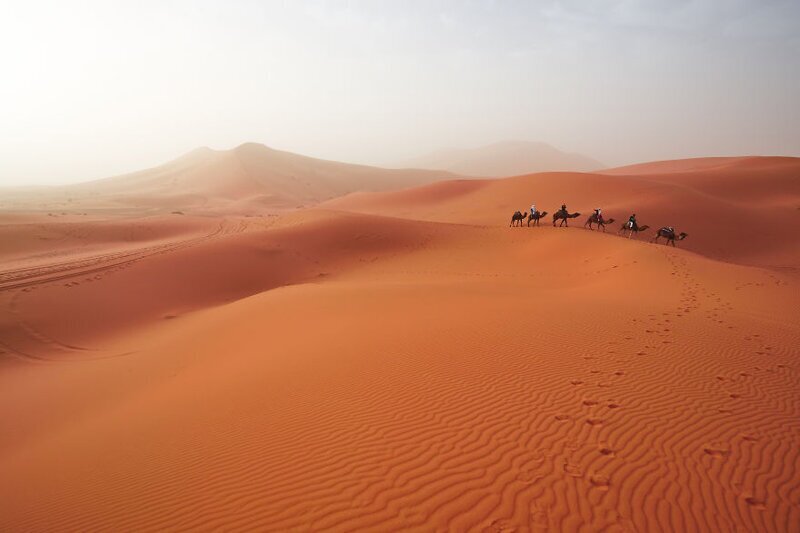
[[247, 179], [509, 158], [745, 212], [405, 360]]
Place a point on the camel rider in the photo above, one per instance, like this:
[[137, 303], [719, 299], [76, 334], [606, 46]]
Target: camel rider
[[564, 208], [533, 209], [632, 222], [598, 215]]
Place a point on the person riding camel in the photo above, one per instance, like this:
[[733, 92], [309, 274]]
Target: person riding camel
[[533, 209], [632, 223], [598, 215], [564, 208]]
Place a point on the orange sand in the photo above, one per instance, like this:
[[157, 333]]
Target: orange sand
[[405, 360]]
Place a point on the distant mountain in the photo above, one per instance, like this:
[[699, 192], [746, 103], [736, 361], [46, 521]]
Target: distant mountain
[[509, 158], [250, 175]]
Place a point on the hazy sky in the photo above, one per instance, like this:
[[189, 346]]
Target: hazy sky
[[91, 89]]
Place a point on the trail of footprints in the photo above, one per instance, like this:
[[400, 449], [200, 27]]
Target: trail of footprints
[[695, 299]]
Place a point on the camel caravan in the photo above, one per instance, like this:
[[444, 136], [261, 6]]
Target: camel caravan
[[630, 226]]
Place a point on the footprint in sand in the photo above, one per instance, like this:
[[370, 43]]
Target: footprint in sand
[[501, 526], [613, 406], [540, 515], [561, 418], [600, 481], [735, 396], [594, 421], [589, 403], [756, 503], [576, 382], [573, 470], [604, 450], [717, 450]]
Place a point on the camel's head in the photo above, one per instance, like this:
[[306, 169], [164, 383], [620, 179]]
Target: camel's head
[[544, 213], [682, 236]]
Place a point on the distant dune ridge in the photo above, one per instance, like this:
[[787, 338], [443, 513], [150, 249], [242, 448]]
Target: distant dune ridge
[[250, 176], [508, 158]]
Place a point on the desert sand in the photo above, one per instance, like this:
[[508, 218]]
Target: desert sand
[[405, 360]]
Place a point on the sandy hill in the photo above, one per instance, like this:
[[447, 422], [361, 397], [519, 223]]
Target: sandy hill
[[510, 158], [752, 202], [406, 361], [247, 178]]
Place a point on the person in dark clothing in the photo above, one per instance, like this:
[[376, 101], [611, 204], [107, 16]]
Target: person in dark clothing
[[632, 223]]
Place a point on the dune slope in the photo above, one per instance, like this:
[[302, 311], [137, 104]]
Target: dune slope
[[405, 361], [746, 212]]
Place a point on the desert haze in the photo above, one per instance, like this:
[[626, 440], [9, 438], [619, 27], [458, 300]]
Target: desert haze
[[509, 158], [186, 348]]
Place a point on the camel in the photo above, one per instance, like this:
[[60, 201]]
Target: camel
[[631, 231], [563, 216], [669, 234], [535, 217], [517, 217], [601, 222]]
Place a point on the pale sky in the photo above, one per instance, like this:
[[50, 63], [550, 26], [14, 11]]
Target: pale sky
[[92, 89]]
